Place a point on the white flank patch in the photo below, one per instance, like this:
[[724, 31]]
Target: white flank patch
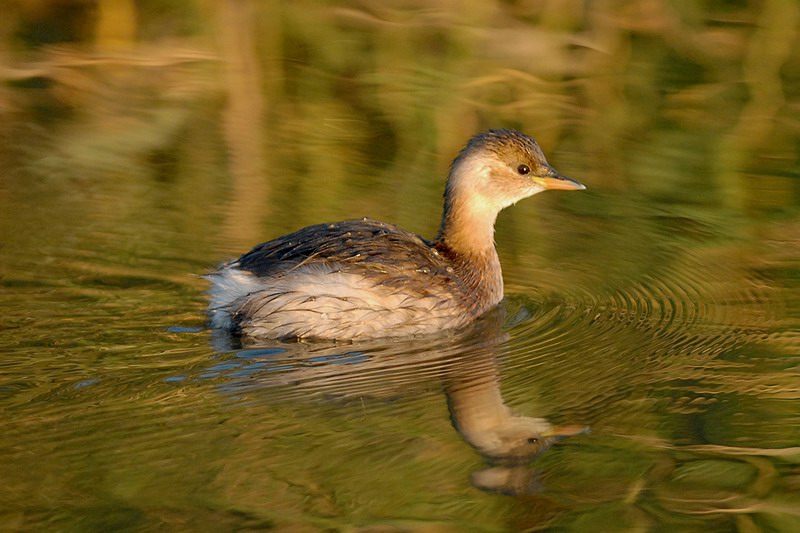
[[318, 301], [229, 286]]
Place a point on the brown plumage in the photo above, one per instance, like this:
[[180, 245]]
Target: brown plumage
[[366, 279]]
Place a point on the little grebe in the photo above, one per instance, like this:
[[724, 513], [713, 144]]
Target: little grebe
[[368, 279]]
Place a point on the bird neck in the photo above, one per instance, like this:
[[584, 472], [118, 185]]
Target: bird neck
[[470, 210], [468, 226], [466, 239]]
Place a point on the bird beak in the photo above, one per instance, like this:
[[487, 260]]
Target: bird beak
[[553, 180], [561, 432]]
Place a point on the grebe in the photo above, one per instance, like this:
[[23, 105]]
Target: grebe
[[368, 279]]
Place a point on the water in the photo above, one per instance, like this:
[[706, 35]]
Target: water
[[654, 318]]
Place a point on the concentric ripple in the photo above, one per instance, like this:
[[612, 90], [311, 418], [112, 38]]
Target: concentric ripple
[[655, 329]]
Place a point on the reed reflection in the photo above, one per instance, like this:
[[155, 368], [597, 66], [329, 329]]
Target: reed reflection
[[464, 365]]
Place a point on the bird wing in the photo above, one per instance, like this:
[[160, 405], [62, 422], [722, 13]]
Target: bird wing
[[365, 246]]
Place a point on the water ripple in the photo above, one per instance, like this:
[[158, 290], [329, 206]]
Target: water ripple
[[658, 329]]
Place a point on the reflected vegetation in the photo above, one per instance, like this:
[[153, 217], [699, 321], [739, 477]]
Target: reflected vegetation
[[142, 143]]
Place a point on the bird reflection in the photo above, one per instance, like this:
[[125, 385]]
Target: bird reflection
[[507, 441], [465, 363]]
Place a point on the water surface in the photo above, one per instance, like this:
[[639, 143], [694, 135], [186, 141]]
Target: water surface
[[659, 308]]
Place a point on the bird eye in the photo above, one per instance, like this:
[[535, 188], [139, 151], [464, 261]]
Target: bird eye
[[523, 169]]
